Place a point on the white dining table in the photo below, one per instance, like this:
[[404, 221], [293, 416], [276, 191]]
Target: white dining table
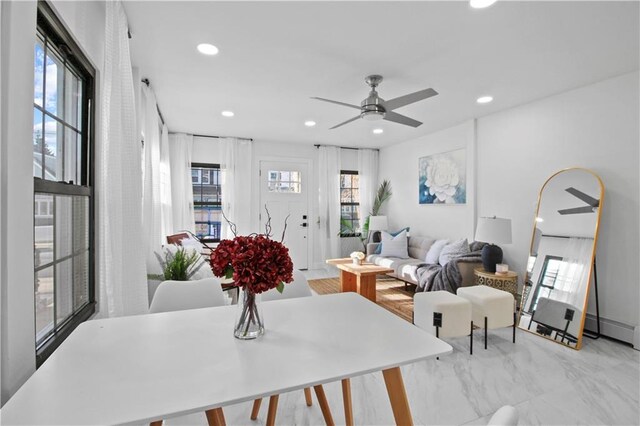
[[150, 367]]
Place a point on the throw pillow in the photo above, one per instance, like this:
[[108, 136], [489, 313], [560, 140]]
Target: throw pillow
[[394, 234], [453, 250], [433, 255], [395, 246]]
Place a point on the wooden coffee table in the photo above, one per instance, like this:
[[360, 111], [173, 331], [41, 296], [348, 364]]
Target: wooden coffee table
[[358, 278]]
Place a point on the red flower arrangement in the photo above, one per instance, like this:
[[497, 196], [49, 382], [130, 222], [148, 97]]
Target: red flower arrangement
[[255, 262]]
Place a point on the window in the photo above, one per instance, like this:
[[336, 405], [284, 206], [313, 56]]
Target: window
[[287, 181], [349, 203], [207, 200], [548, 279], [63, 184]]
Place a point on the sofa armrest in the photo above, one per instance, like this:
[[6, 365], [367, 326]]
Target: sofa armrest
[[371, 248], [466, 271]]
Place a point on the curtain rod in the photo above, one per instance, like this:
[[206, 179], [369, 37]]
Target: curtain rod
[[346, 147], [148, 83], [222, 137]]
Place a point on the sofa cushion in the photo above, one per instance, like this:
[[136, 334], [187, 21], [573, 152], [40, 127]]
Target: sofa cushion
[[393, 234], [453, 250], [394, 263], [395, 246], [408, 271], [433, 255], [419, 246]]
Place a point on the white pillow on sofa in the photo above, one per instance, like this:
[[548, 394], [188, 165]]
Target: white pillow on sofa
[[452, 250], [395, 246], [433, 255]]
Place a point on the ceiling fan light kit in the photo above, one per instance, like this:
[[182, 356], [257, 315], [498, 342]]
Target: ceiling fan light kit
[[375, 108]]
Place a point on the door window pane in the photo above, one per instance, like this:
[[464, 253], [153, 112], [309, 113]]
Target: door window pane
[[286, 181]]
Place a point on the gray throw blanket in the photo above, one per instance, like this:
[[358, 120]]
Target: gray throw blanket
[[447, 277]]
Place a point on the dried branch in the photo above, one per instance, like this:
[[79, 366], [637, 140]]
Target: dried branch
[[284, 231], [232, 226], [267, 225]]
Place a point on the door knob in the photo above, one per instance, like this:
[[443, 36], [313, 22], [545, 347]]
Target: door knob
[[304, 224]]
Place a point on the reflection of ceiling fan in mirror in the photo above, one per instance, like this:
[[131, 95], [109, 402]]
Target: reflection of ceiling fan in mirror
[[376, 108], [591, 207]]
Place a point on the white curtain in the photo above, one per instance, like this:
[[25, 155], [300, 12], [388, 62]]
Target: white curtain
[[121, 264], [572, 280], [368, 175], [151, 204], [329, 201], [236, 166], [180, 153], [166, 206]]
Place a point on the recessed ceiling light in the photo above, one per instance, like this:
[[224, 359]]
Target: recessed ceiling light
[[207, 49], [309, 123], [539, 219], [481, 4], [484, 99], [227, 113], [378, 131]]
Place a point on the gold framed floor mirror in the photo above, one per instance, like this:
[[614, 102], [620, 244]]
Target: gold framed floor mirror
[[561, 263]]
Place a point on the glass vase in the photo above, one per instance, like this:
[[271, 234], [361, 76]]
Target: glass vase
[[249, 323]]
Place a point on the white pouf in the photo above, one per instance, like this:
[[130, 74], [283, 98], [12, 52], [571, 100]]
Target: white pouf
[[455, 310], [495, 305]]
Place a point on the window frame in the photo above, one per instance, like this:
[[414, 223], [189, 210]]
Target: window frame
[[57, 34], [207, 203], [357, 204]]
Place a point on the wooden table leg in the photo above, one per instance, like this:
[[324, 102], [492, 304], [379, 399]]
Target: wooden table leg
[[256, 408], [346, 398], [324, 405], [307, 396], [397, 396], [367, 286], [347, 282], [273, 408], [215, 417]]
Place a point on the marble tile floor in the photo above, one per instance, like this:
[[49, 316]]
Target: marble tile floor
[[548, 384]]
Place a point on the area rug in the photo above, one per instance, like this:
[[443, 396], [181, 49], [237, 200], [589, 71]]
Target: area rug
[[391, 294]]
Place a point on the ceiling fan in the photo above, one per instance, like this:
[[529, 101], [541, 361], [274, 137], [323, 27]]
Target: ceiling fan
[[591, 207], [376, 108]]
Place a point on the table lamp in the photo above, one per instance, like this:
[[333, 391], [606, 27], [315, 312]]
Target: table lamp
[[493, 230], [376, 224]]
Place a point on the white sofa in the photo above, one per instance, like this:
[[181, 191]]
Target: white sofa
[[406, 269]]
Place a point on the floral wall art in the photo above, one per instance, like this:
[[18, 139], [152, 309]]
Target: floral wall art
[[442, 178]]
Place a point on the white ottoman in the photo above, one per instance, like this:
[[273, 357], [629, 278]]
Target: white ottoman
[[443, 314], [490, 308]]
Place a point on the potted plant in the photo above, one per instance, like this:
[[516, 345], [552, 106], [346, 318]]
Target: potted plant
[[382, 196]]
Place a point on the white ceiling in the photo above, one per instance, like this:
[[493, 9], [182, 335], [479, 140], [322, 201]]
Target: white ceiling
[[275, 55]]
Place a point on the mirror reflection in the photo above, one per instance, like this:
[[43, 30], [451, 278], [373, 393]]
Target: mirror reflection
[[561, 258]]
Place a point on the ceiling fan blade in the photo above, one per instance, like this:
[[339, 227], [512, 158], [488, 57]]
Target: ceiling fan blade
[[577, 210], [584, 197], [346, 122], [409, 99], [402, 119], [336, 102]]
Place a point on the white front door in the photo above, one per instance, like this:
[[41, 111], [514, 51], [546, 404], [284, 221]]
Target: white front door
[[284, 189]]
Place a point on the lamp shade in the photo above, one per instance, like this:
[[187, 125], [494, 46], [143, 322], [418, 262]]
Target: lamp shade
[[378, 223], [493, 230]]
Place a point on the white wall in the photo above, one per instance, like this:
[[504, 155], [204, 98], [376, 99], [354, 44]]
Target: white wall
[[16, 285], [594, 127], [517, 150], [85, 20], [399, 164]]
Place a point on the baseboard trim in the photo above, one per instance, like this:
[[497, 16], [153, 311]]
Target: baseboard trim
[[610, 328]]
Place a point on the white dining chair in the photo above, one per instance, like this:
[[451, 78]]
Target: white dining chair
[[182, 295], [299, 287], [505, 416]]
